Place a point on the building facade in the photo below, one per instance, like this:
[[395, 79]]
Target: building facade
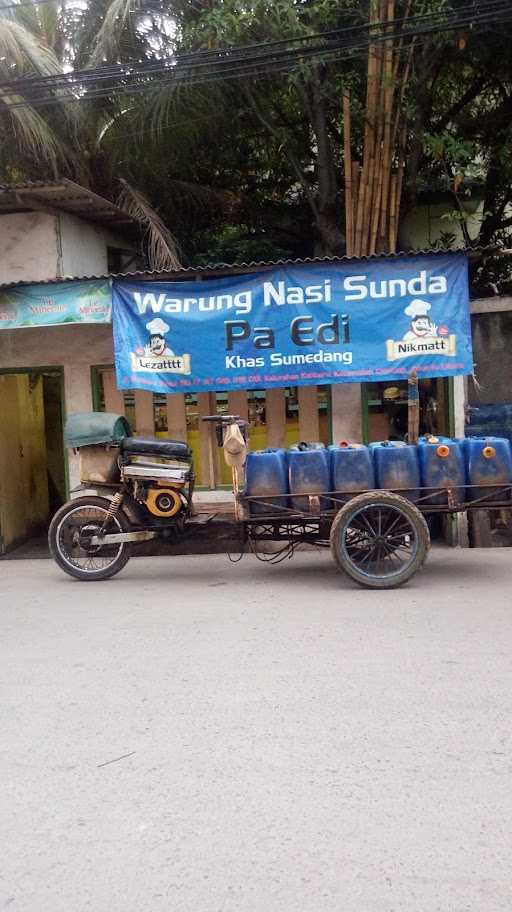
[[49, 231], [47, 372]]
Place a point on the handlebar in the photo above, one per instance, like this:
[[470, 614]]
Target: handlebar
[[224, 419]]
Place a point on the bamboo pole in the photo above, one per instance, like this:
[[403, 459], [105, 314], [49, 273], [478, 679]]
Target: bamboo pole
[[374, 213], [359, 214], [368, 137], [401, 42], [400, 125], [388, 113], [356, 177], [404, 81], [392, 228], [347, 155], [400, 179], [373, 192], [374, 152]]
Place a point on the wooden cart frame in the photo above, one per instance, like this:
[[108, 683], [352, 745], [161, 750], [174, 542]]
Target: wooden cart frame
[[379, 538]]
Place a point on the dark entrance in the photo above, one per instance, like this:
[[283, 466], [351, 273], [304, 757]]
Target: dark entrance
[[32, 458]]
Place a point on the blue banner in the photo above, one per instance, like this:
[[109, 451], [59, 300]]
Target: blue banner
[[53, 304], [373, 319]]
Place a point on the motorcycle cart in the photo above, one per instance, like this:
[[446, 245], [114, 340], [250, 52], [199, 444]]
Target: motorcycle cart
[[134, 489]]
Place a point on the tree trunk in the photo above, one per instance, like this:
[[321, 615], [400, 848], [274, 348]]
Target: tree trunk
[[497, 186], [328, 218]]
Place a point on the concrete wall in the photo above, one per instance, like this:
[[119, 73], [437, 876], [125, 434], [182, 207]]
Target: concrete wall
[[35, 246], [83, 247], [423, 226], [73, 347], [492, 333], [29, 248]]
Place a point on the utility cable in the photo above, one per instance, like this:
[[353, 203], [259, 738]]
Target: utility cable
[[225, 68], [452, 18], [241, 52]]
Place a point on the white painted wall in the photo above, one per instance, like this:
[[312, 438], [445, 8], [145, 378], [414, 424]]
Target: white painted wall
[[424, 225], [28, 247], [35, 246], [84, 247], [73, 347]]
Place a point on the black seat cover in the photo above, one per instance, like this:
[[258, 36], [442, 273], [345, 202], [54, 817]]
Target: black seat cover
[[150, 446]]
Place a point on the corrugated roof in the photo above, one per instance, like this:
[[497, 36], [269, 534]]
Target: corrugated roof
[[219, 269], [65, 196]]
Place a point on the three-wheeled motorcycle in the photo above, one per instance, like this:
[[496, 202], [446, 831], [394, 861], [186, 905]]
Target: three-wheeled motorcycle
[[134, 489]]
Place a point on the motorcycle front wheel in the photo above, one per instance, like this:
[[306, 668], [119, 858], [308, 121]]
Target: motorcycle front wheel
[[69, 536]]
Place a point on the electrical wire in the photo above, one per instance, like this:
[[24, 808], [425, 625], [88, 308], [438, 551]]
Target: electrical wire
[[144, 9], [15, 6], [232, 55], [246, 69], [187, 121], [236, 53], [229, 67], [239, 72], [274, 557]]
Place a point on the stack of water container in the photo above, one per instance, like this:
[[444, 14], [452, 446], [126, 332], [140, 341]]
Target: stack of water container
[[287, 478]]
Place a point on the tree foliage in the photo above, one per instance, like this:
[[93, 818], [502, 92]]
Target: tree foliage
[[242, 166]]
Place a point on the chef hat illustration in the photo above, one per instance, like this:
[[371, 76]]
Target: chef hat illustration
[[157, 327], [417, 308]]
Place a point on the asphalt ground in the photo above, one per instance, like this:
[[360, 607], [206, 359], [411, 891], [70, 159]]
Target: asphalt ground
[[200, 736]]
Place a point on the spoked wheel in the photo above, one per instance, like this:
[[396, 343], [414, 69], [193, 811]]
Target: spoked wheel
[[380, 540], [70, 539]]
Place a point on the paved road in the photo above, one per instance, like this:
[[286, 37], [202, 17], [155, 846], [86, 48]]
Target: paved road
[[200, 737]]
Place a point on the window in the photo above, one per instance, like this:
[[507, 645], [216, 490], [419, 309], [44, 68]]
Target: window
[[121, 260]]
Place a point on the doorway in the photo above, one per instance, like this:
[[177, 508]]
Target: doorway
[[33, 482], [385, 417], [385, 409]]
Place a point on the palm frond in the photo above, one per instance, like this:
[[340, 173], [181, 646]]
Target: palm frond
[[106, 40], [108, 123], [21, 50], [42, 20], [161, 246], [31, 131], [202, 196], [188, 106]]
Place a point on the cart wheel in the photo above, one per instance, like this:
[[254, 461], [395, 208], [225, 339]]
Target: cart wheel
[[379, 539], [69, 534]]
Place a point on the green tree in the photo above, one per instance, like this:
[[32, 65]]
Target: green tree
[[28, 45], [242, 166]]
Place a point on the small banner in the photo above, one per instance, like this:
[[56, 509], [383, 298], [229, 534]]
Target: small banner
[[53, 304], [334, 323]]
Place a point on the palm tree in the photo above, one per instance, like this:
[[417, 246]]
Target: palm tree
[[47, 141], [27, 34]]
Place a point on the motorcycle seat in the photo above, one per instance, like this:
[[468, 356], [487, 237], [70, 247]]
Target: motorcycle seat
[[150, 446]]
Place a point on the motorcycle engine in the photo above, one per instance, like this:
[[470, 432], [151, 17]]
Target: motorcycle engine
[[158, 487], [164, 502]]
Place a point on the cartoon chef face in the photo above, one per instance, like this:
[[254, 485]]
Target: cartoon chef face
[[421, 324], [157, 343]]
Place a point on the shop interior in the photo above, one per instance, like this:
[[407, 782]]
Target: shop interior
[[385, 409]]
